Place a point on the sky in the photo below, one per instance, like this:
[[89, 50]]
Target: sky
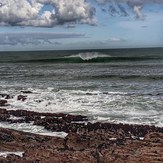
[[80, 24]]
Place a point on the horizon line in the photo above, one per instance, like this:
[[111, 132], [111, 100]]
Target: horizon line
[[88, 49]]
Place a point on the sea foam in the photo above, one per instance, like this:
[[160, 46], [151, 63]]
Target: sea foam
[[97, 105]]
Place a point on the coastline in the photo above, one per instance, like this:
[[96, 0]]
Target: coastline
[[85, 142]]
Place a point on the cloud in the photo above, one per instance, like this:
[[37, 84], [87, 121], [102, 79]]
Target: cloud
[[36, 13], [132, 1], [31, 12], [116, 7], [137, 10], [115, 39], [35, 38]]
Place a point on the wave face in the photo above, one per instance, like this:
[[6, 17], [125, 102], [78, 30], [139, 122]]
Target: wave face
[[84, 56]]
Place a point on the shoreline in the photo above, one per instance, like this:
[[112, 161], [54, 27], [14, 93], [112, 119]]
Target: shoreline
[[85, 142]]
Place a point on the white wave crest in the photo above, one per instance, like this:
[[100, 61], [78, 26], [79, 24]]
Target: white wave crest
[[89, 55]]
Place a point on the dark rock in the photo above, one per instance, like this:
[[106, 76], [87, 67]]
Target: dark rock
[[20, 113], [70, 118], [3, 102], [13, 157], [21, 97], [3, 111], [90, 94], [5, 137], [6, 96], [4, 117], [26, 92]]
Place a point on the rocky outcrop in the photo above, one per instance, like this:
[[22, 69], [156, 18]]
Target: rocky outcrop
[[91, 147], [44, 119], [85, 143], [75, 123]]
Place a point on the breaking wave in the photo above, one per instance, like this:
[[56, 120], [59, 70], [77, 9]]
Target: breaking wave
[[80, 57], [89, 56]]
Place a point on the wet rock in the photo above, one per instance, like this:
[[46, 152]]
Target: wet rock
[[90, 94], [13, 158], [21, 97], [6, 96], [5, 137], [70, 118], [3, 111], [26, 92], [4, 117], [3, 102], [20, 113], [76, 123]]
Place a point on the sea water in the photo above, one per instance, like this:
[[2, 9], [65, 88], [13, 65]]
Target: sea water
[[121, 85]]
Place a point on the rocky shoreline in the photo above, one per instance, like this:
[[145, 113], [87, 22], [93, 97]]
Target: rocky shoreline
[[85, 143]]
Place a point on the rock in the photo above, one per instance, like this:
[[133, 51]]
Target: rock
[[70, 118], [3, 102], [4, 117], [91, 143], [20, 113], [26, 92], [50, 156], [6, 137], [3, 111], [6, 96], [77, 142], [13, 157], [154, 137], [21, 97]]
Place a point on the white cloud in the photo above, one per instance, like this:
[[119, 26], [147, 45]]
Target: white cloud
[[15, 11], [30, 13], [137, 10]]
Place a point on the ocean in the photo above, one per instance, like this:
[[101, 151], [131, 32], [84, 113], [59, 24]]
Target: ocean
[[115, 85]]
